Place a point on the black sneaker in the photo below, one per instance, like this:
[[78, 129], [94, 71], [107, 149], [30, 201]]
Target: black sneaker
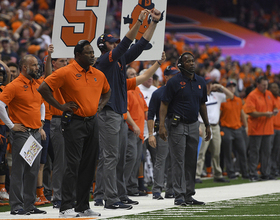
[[118, 205], [157, 196], [198, 180], [129, 202], [180, 202], [194, 202], [37, 211], [221, 180], [98, 202], [254, 178], [139, 193], [169, 196], [232, 177], [20, 212], [56, 204]]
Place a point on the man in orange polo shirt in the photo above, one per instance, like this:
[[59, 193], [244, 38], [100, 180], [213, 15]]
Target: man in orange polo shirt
[[137, 107], [275, 152], [56, 137], [26, 110], [230, 120], [260, 107], [81, 86]]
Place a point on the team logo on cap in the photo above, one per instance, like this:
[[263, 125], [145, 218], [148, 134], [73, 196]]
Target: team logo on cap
[[199, 86]]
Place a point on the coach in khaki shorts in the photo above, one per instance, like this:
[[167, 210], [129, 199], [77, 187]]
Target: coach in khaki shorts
[[81, 86]]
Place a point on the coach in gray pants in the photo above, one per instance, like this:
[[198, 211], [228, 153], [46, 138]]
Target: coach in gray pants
[[185, 95]]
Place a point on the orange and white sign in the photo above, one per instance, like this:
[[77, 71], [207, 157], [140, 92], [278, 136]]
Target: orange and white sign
[[76, 20], [130, 13]]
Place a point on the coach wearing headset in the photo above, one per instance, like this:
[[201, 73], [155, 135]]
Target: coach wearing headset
[[115, 56], [185, 95]]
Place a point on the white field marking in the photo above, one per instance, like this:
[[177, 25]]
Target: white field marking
[[147, 204]]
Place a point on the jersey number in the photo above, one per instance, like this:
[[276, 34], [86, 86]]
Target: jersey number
[[84, 16]]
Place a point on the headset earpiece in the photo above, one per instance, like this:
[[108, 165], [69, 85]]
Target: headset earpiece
[[102, 46]]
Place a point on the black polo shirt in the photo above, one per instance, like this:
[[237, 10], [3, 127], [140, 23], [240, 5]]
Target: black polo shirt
[[185, 96], [155, 104]]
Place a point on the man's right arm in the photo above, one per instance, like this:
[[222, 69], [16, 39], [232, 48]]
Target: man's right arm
[[46, 93], [162, 115], [131, 34]]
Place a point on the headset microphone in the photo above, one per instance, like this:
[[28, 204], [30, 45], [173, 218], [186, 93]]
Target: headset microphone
[[182, 68]]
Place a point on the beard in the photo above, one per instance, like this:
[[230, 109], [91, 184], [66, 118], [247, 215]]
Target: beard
[[32, 73]]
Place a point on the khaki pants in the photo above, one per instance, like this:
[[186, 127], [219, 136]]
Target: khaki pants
[[215, 147]]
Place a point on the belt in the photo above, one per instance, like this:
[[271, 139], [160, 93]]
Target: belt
[[57, 116], [32, 130], [184, 120], [213, 124], [83, 118]]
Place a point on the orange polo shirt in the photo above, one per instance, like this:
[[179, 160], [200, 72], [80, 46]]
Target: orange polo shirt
[[130, 85], [136, 105], [276, 118], [24, 102], [48, 115], [80, 86], [231, 113], [257, 101]]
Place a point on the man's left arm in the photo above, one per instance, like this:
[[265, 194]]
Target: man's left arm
[[204, 116]]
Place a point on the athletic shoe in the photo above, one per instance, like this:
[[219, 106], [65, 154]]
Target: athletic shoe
[[20, 212], [198, 180], [37, 211], [221, 180], [194, 202], [69, 213], [129, 202], [254, 178], [139, 193], [56, 204], [98, 202], [39, 202], [4, 195], [180, 202], [169, 196], [157, 196], [89, 213], [118, 205], [42, 198]]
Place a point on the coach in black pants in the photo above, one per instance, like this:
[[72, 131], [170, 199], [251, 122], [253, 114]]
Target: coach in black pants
[[185, 95]]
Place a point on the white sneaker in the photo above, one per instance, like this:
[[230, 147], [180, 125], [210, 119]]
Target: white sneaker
[[69, 213], [89, 212], [4, 195]]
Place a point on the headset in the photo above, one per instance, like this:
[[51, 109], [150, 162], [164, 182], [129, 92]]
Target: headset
[[101, 43], [3, 71], [180, 62], [260, 78]]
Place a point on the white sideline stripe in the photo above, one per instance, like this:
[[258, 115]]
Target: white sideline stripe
[[147, 204]]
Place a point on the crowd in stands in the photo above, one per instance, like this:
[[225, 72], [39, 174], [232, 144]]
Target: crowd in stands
[[26, 28]]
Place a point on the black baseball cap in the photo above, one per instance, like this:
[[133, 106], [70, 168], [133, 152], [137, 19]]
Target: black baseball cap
[[171, 70], [231, 82], [107, 38]]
